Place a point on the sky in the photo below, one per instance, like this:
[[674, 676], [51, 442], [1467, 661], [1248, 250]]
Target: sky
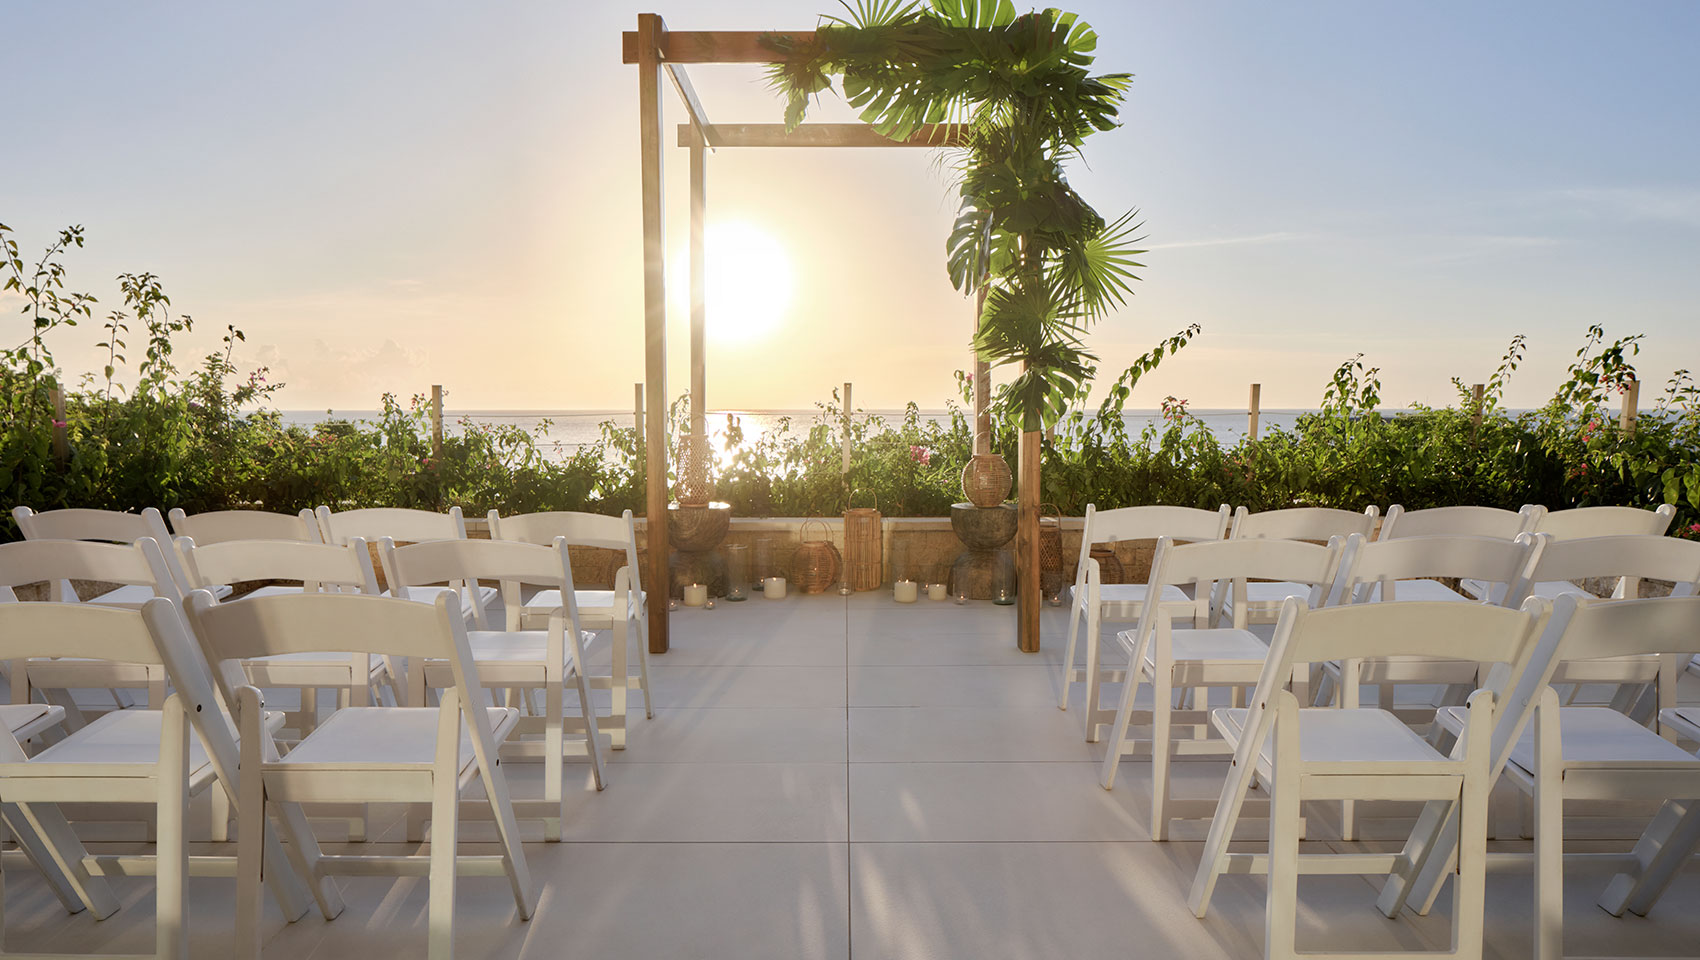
[[389, 195]]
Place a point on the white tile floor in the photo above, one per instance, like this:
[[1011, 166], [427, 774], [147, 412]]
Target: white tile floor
[[828, 778]]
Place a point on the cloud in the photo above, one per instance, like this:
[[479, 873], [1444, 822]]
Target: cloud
[[1680, 205], [336, 377]]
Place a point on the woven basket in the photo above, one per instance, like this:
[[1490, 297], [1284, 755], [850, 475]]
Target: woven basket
[[1052, 576], [863, 548], [1109, 566], [814, 566], [694, 455], [986, 480]]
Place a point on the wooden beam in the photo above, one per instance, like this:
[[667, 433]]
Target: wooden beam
[[818, 135], [651, 34], [710, 46], [1027, 600], [688, 93], [699, 290]]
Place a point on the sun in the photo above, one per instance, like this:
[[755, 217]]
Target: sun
[[749, 280]]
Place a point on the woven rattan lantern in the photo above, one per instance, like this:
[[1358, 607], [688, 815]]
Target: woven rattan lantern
[[986, 480], [863, 548], [694, 455], [1052, 577], [814, 566], [1109, 566]]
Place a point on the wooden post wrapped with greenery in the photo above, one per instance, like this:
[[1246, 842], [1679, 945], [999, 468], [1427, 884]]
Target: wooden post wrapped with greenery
[[1046, 263]]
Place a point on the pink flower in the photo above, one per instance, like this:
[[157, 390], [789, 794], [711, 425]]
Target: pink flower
[[921, 455], [59, 424], [1694, 528]]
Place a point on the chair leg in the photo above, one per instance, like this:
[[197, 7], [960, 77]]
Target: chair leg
[[507, 830], [620, 678], [1118, 732], [554, 745], [302, 852], [1469, 907], [593, 737], [1280, 919], [171, 909], [1423, 859], [445, 824], [1663, 849], [1093, 628], [41, 857], [1160, 728], [642, 639], [1222, 823], [219, 827], [67, 853], [1068, 649], [1549, 834]]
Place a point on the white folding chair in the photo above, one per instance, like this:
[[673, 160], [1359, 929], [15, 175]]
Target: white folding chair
[[1204, 657], [320, 568], [128, 756], [368, 754], [515, 660], [219, 526], [141, 564], [1263, 599], [1629, 559], [104, 526], [1324, 753], [1122, 601], [1587, 523], [1555, 754], [624, 610], [409, 526]]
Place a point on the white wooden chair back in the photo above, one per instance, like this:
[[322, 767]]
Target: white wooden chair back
[[220, 526], [1631, 557], [1386, 562], [1580, 522], [107, 526], [579, 529], [317, 565], [512, 563], [1303, 523], [1456, 522], [140, 563], [81, 630], [1148, 523], [405, 525], [1201, 564]]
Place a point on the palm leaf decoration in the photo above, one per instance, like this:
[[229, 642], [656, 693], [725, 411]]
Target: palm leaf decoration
[[1019, 87]]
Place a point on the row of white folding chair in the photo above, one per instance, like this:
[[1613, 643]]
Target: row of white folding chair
[[126, 756], [1555, 753], [409, 526], [1333, 753], [1263, 599], [104, 526], [1123, 601], [622, 610], [1573, 524]]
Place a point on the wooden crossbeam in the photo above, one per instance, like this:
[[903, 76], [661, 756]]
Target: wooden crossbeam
[[688, 93], [709, 46], [817, 135]]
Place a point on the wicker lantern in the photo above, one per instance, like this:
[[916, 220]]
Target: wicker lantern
[[814, 566], [986, 480], [863, 548], [1051, 575], [1109, 566], [694, 456]]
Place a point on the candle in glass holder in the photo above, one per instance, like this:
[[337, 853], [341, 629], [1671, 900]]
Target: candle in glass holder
[[906, 591], [773, 588], [936, 591], [696, 594]]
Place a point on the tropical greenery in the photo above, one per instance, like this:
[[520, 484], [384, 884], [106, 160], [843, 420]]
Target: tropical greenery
[[143, 432], [1017, 92]]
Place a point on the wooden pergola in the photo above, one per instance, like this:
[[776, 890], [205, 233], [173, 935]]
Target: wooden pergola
[[655, 50]]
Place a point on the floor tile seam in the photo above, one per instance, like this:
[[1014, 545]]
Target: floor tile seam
[[940, 763]]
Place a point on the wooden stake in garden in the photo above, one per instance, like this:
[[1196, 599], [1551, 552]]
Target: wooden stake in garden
[[1477, 392], [61, 441], [1631, 402], [1252, 410], [436, 421], [845, 470]]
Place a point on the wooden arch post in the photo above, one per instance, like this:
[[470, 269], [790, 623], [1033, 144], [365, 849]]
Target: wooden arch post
[[655, 50]]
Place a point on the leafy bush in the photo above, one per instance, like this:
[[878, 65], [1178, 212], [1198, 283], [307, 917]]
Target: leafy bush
[[203, 440]]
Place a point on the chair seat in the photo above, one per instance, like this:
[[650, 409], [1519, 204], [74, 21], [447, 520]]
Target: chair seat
[[135, 595], [1593, 736], [1266, 596], [25, 720], [486, 595], [1685, 720], [121, 737], [388, 736], [1224, 644], [274, 590], [1124, 600], [1421, 590], [516, 646], [375, 663], [1545, 589], [1329, 735], [592, 604]]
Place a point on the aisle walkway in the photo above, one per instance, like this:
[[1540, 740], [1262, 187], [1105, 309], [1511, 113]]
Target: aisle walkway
[[828, 778]]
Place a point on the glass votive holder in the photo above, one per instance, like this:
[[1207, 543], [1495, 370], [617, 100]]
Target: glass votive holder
[[737, 571]]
